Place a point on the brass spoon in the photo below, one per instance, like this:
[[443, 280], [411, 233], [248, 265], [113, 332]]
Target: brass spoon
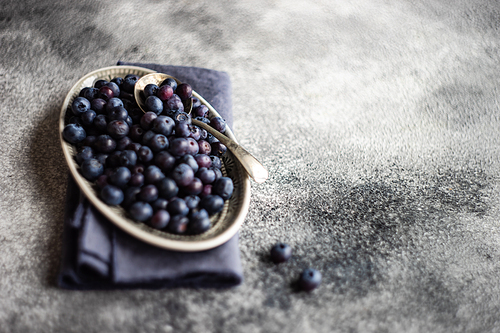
[[253, 167]]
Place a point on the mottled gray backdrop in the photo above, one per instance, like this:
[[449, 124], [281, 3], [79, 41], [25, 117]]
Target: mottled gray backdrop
[[378, 121]]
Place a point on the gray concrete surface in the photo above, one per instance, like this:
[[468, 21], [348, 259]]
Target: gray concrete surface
[[378, 120]]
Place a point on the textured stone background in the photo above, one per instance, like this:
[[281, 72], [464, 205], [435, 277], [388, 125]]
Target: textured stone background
[[378, 120]]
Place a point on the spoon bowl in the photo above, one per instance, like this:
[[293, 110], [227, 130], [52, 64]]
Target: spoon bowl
[[252, 166]]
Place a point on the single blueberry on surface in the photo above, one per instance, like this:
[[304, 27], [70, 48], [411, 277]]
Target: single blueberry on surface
[[281, 252], [309, 279], [112, 195]]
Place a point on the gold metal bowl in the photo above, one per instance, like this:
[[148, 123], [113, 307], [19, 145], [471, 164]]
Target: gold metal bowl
[[224, 224]]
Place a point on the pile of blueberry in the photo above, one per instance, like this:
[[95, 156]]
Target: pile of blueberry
[[162, 169]]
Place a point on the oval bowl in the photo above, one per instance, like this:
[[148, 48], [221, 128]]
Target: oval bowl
[[224, 224]]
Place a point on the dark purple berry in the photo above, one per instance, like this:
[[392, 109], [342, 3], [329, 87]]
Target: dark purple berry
[[120, 177], [99, 83], [84, 153], [184, 91], [145, 154], [136, 132], [141, 211], [174, 103], [101, 123], [153, 174], [204, 147], [129, 83], [98, 105], [223, 187], [199, 222], [167, 188], [177, 206], [192, 201], [207, 176], [200, 111], [150, 90], [158, 142], [137, 179], [179, 147], [163, 125], [114, 87], [118, 129], [212, 203], [106, 93], [147, 120], [194, 188], [74, 133], [88, 117], [165, 92], [130, 196], [123, 143], [80, 105], [160, 219], [154, 104], [165, 161], [149, 193], [159, 204], [203, 161], [178, 224], [91, 169], [169, 82], [218, 123], [309, 279], [112, 195], [128, 158], [183, 174], [281, 252], [218, 149]]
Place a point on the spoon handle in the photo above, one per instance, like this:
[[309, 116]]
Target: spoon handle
[[253, 167]]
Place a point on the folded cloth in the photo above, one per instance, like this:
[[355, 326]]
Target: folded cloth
[[98, 255]]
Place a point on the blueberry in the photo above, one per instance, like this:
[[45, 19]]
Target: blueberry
[[101, 123], [194, 132], [309, 279], [158, 142], [194, 188], [84, 153], [130, 196], [174, 103], [165, 161], [159, 203], [203, 120], [189, 160], [216, 162], [99, 83], [184, 91], [88, 117], [136, 132], [193, 147], [160, 219], [203, 160], [102, 158], [196, 102], [207, 190], [112, 195], [163, 125], [128, 158], [90, 94], [281, 252], [102, 181], [145, 154], [178, 224], [74, 133], [120, 177], [129, 83], [179, 147], [182, 129], [181, 116], [89, 140], [118, 80], [113, 159], [150, 90], [207, 176], [167, 188], [106, 93], [218, 123], [192, 201], [98, 105], [223, 187], [137, 179], [218, 149], [154, 104], [153, 174], [178, 206], [204, 147], [141, 211], [113, 103], [200, 111], [212, 203], [80, 105], [91, 169], [218, 173], [118, 113], [123, 143], [105, 144], [182, 174], [164, 92], [114, 87], [199, 222], [149, 193], [147, 120], [169, 82], [118, 129]]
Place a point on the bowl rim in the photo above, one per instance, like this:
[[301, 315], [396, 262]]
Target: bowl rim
[[127, 225]]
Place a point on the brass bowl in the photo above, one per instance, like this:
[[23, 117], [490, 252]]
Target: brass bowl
[[224, 224]]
